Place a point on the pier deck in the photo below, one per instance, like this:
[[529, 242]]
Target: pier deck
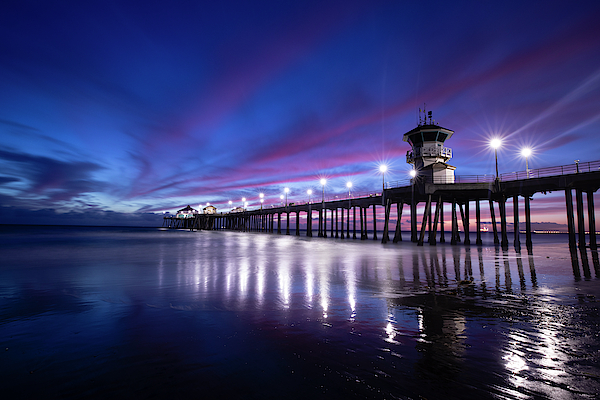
[[583, 178]]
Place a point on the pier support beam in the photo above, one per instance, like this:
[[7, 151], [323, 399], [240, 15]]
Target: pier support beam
[[320, 228], [342, 223], [348, 222], [570, 217], [502, 207], [324, 222], [336, 224], [332, 222], [454, 236], [386, 237], [466, 224], [591, 220], [362, 229], [517, 231], [398, 232], [478, 241], [374, 222], [413, 219], [297, 223], [433, 234], [429, 223], [424, 222], [354, 222], [279, 223], [580, 218], [494, 226], [442, 230], [528, 242]]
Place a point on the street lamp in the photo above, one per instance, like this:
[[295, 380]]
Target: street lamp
[[349, 186], [244, 202], [230, 204], [382, 169], [309, 192], [262, 199], [526, 152], [286, 190], [323, 183], [281, 198], [494, 144], [413, 209]]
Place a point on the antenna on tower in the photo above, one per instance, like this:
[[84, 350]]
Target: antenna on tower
[[429, 114]]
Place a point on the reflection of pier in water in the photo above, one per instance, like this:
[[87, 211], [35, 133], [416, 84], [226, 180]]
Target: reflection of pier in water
[[434, 304]]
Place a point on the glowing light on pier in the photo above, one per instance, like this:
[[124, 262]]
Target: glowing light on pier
[[526, 152], [495, 144], [383, 168], [413, 173]]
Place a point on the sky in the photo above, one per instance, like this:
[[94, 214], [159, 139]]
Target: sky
[[116, 110]]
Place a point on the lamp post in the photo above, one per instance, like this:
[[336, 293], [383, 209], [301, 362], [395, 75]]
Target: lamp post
[[309, 192], [262, 199], [413, 208], [323, 183], [322, 214], [494, 144], [243, 203], [526, 152], [349, 186], [383, 168], [281, 198], [286, 190], [230, 204]]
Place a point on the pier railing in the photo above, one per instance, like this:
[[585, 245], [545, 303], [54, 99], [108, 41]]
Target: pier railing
[[510, 176], [576, 168]]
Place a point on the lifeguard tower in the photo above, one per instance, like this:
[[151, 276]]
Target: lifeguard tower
[[428, 155]]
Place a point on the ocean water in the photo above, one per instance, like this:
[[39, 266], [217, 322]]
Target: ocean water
[[153, 313]]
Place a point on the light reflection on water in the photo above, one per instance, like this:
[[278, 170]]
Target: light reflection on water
[[317, 317]]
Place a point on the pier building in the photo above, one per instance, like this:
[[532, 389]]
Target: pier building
[[428, 155], [187, 212], [210, 209]]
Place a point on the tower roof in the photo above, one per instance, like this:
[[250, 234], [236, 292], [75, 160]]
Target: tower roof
[[427, 133]]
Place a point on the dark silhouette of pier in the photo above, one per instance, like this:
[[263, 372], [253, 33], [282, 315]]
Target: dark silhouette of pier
[[349, 216]]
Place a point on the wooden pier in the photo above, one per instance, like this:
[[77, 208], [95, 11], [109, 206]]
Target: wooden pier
[[461, 196]]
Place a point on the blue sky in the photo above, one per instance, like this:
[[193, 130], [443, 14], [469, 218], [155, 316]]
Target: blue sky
[[123, 108]]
